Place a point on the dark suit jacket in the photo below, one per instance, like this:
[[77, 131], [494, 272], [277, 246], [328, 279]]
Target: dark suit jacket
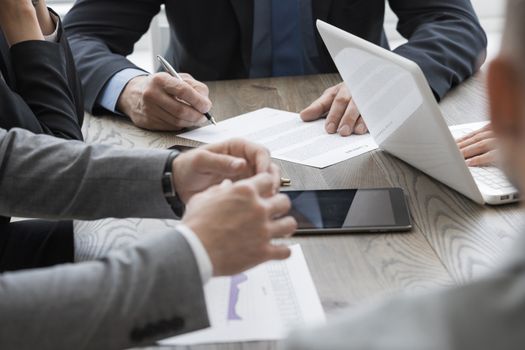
[[40, 90], [212, 40]]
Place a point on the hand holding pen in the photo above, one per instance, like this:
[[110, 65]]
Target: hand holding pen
[[163, 102], [169, 68]]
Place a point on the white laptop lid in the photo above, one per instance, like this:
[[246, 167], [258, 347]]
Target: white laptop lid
[[399, 108]]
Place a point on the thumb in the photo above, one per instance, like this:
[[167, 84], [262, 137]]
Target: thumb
[[219, 163]]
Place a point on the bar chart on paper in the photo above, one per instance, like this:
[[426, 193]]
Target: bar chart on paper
[[263, 303]]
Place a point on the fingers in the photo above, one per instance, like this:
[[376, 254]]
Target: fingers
[[197, 85], [487, 127], [226, 183], [341, 112], [321, 106], [337, 111], [275, 172], [283, 228], [185, 92], [178, 110], [476, 138], [160, 119], [262, 183], [486, 159], [479, 148], [278, 205], [147, 103], [278, 252], [257, 156], [349, 119], [221, 164], [360, 127]]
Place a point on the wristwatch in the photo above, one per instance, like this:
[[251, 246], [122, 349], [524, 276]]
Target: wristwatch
[[170, 193]]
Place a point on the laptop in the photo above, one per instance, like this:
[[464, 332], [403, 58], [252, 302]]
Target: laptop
[[404, 119]]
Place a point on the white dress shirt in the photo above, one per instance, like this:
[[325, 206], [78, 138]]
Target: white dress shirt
[[201, 256], [53, 37]]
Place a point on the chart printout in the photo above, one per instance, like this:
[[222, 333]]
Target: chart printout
[[264, 303]]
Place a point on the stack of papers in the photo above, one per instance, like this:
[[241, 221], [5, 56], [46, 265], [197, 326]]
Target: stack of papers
[[264, 303]]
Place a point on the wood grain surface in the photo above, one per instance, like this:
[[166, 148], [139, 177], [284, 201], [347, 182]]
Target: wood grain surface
[[453, 240]]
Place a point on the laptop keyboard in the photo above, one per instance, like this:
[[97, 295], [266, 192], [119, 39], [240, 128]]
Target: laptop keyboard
[[491, 177]]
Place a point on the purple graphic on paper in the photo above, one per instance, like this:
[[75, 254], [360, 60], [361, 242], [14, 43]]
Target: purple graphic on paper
[[234, 296]]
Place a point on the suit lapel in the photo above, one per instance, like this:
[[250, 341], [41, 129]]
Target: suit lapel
[[244, 11]]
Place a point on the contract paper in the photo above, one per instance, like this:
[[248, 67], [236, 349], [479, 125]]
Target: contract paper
[[287, 137], [264, 303]]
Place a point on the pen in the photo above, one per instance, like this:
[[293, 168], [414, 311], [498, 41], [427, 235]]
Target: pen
[[169, 68]]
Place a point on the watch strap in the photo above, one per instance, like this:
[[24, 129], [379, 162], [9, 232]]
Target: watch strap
[[169, 190]]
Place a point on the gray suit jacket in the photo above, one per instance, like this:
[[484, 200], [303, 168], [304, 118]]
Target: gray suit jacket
[[485, 315], [131, 297]]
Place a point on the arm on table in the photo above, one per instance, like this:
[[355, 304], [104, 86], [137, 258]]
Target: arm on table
[[444, 38], [95, 181], [132, 297], [111, 83]]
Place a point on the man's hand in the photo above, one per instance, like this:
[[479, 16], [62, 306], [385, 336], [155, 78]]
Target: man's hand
[[479, 147], [340, 110], [19, 21], [236, 159], [237, 221], [163, 102]]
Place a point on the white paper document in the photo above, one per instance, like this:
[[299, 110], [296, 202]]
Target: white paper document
[[287, 137], [264, 303]]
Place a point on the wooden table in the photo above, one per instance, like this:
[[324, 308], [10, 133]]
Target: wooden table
[[453, 240]]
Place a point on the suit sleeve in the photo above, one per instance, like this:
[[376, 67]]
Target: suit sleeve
[[485, 315], [102, 33], [47, 96], [46, 177], [444, 38], [132, 297]]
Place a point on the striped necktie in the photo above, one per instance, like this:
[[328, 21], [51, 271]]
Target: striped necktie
[[286, 38]]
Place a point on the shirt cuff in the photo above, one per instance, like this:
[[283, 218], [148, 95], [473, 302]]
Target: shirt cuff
[[202, 257], [110, 94], [53, 37]]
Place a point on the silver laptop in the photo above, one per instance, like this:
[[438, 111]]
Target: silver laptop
[[404, 118]]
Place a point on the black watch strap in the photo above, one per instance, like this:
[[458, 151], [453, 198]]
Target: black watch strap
[[168, 189]]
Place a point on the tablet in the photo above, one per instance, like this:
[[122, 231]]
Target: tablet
[[357, 210]]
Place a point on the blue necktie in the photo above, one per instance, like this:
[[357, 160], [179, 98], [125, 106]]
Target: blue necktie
[[286, 38]]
